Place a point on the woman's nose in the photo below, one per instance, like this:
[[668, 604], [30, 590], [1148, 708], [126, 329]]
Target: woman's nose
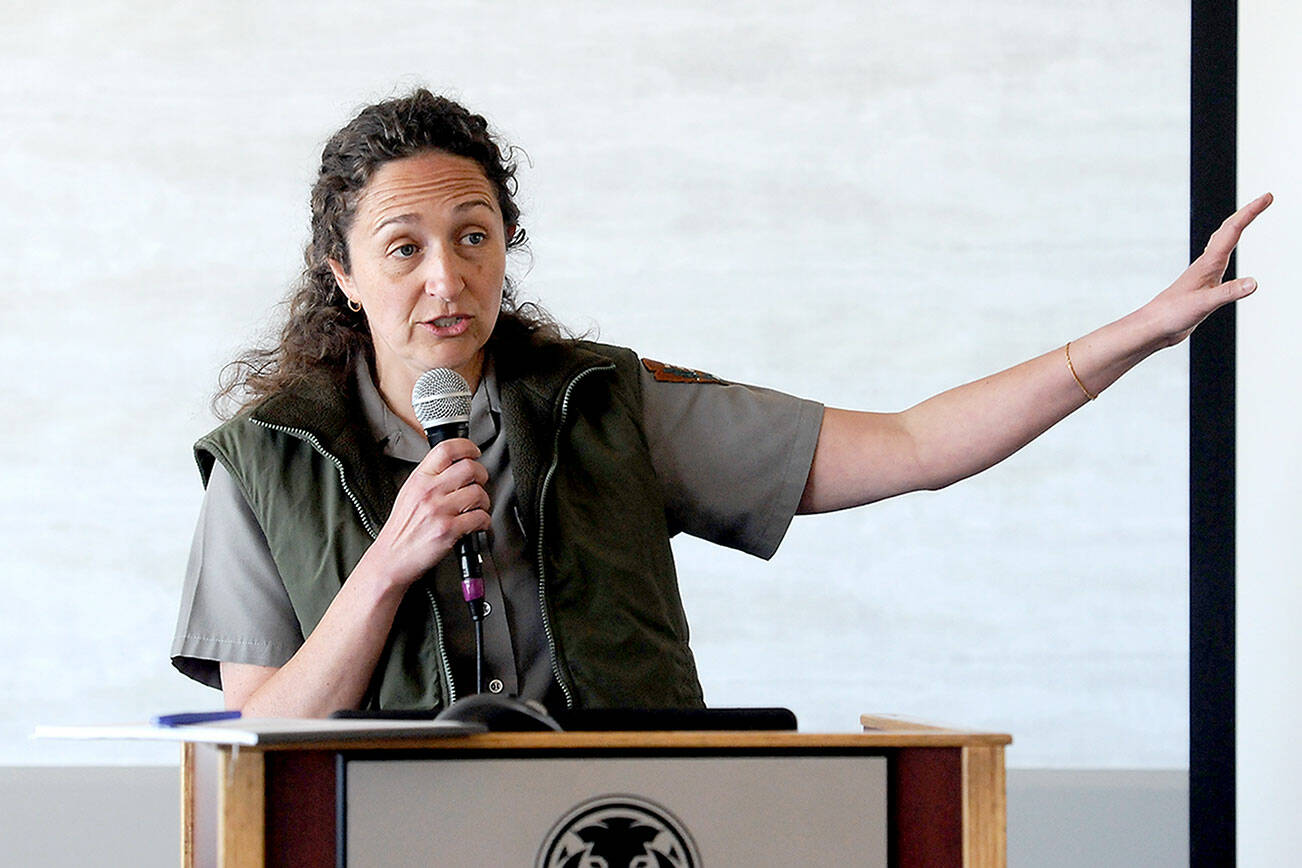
[[443, 278]]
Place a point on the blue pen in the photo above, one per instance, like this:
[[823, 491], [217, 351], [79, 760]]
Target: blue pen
[[191, 717]]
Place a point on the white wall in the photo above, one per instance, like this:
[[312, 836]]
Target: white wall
[[863, 203], [1269, 512]]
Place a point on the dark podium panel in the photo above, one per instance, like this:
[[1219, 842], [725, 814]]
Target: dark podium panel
[[900, 793]]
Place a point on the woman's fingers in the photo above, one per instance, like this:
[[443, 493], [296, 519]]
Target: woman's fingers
[[447, 454], [1241, 288], [465, 472], [449, 481], [1226, 237], [469, 499], [443, 500]]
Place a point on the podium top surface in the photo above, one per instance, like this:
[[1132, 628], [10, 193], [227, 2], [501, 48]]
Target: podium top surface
[[879, 732]]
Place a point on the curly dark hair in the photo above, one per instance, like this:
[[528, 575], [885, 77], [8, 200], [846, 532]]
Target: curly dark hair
[[322, 336]]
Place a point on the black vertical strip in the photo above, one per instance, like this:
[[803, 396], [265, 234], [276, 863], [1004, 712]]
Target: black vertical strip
[[1213, 127]]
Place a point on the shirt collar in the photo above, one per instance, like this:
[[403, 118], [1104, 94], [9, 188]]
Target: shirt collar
[[399, 440]]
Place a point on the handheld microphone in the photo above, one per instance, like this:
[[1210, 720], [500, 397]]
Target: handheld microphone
[[441, 400]]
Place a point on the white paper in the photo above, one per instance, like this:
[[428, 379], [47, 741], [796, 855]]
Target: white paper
[[269, 730]]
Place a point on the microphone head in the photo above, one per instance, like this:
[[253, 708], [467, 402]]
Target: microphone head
[[441, 397]]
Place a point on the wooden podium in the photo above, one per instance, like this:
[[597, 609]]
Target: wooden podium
[[931, 796]]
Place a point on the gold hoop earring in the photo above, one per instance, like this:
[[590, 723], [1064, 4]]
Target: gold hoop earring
[[354, 305]]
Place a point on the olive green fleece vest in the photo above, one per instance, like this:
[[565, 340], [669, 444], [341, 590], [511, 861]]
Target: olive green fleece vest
[[588, 499]]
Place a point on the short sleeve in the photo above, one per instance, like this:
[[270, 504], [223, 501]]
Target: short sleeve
[[733, 459], [234, 606]]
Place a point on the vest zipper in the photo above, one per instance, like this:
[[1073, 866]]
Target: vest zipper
[[438, 635], [542, 520], [343, 481], [371, 529]]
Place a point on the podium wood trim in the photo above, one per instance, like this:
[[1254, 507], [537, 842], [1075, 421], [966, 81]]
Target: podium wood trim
[[187, 805], [241, 808], [984, 807], [946, 786], [914, 735]]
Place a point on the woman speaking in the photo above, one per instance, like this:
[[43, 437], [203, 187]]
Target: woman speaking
[[324, 572]]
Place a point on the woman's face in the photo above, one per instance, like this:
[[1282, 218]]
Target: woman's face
[[428, 253]]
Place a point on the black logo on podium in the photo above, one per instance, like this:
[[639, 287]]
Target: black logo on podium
[[618, 832]]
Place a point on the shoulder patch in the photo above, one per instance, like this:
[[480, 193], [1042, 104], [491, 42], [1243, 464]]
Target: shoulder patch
[[672, 374]]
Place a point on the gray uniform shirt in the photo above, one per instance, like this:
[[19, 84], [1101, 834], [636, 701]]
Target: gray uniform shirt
[[733, 461]]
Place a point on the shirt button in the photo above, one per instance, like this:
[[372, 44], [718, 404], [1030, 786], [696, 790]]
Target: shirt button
[[495, 686]]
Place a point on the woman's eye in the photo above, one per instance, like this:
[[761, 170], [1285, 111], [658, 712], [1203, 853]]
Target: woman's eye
[[474, 239], [404, 251]]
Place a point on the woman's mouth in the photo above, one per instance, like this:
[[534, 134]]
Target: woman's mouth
[[448, 326]]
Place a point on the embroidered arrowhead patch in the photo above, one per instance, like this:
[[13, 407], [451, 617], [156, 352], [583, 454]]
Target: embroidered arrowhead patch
[[673, 374]]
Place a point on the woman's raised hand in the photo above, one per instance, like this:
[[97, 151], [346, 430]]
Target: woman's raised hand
[[1199, 292]]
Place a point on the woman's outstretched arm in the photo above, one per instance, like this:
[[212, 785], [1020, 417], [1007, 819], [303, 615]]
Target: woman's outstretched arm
[[862, 457]]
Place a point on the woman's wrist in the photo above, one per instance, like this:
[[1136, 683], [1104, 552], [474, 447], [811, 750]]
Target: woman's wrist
[[378, 577], [1101, 357], [1157, 325]]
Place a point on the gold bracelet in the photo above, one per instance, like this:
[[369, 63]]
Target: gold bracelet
[[1074, 375]]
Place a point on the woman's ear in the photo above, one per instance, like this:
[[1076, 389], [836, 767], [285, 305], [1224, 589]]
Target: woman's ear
[[342, 279]]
